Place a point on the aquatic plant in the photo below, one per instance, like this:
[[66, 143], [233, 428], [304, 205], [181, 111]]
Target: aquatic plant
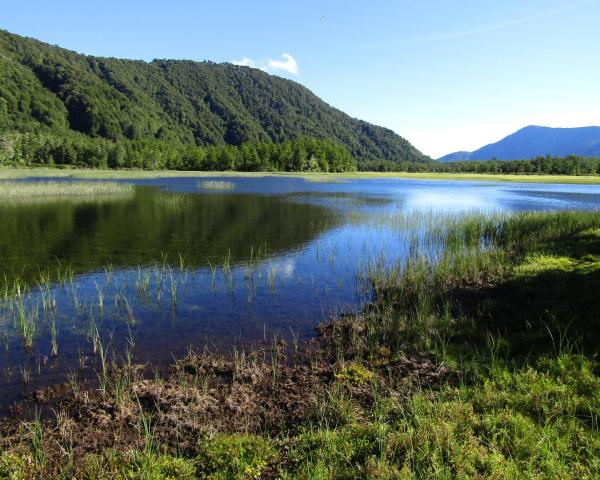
[[27, 192], [216, 185]]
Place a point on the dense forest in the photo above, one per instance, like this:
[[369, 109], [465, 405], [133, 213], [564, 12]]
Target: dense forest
[[301, 155], [167, 106], [570, 165]]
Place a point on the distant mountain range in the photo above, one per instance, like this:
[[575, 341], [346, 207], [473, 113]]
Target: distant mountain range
[[533, 141], [45, 88]]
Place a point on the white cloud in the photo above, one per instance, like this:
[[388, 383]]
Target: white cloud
[[245, 62], [288, 64]]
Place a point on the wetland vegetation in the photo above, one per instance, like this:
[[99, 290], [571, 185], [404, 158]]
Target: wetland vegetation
[[474, 356], [333, 304], [48, 190]]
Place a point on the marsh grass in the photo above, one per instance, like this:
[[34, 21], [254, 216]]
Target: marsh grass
[[27, 192], [475, 358], [18, 173], [216, 185]]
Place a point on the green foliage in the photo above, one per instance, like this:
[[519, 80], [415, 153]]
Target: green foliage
[[570, 165], [338, 453], [176, 102], [355, 374], [16, 467], [136, 465], [234, 457], [536, 421], [301, 155], [540, 421]]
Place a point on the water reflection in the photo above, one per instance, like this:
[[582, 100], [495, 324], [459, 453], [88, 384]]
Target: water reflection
[[174, 264], [152, 226]]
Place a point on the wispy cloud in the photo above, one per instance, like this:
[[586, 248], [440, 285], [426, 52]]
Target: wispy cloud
[[484, 29], [288, 64]]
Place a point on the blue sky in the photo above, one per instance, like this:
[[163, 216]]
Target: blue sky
[[447, 75]]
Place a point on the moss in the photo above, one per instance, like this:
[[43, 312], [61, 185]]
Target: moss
[[235, 456], [355, 374], [545, 263]]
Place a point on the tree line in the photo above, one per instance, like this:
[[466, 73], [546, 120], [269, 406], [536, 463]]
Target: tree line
[[49, 89], [548, 165], [300, 155]]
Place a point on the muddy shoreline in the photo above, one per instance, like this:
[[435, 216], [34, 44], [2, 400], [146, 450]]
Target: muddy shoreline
[[273, 390]]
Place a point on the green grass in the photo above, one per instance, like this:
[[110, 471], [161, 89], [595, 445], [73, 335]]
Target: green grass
[[536, 422], [477, 361], [484, 177], [8, 173], [22, 192]]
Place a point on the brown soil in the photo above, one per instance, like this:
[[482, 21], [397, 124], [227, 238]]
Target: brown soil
[[264, 391]]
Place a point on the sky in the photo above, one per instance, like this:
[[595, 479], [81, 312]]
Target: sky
[[446, 75]]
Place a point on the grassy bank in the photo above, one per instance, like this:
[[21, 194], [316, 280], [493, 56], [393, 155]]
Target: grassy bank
[[10, 173], [475, 360]]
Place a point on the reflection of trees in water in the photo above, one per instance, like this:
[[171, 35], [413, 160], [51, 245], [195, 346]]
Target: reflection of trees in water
[[144, 229]]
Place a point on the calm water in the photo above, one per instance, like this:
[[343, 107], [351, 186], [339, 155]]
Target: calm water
[[175, 264]]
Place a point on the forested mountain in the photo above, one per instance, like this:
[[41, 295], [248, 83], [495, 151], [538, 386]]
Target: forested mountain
[[58, 92], [533, 141]]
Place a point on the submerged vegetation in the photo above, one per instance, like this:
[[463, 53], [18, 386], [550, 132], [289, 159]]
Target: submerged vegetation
[[475, 358]]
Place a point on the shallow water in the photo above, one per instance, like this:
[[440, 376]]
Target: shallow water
[[176, 264]]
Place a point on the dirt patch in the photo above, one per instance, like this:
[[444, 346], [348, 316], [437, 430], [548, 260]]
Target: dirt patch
[[267, 391]]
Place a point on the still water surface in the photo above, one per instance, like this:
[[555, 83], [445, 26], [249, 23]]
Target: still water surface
[[177, 264]]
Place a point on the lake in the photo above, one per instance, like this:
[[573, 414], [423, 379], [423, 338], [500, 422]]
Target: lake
[[215, 262]]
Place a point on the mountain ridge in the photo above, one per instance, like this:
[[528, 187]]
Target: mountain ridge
[[535, 140], [49, 88]]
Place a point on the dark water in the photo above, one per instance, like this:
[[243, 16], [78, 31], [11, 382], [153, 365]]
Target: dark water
[[176, 264]]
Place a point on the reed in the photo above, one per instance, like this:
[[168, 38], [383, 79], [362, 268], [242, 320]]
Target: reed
[[35, 432], [145, 428], [25, 375], [27, 324], [173, 289], [103, 375], [54, 337], [100, 294], [25, 191], [216, 185], [271, 276]]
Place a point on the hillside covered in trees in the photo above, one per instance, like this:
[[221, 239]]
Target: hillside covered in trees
[[548, 165], [60, 99]]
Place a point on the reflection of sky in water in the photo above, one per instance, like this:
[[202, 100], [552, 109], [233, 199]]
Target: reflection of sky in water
[[453, 201], [313, 277], [380, 194]]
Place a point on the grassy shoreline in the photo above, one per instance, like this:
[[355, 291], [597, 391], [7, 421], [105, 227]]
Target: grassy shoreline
[[476, 362], [15, 173]]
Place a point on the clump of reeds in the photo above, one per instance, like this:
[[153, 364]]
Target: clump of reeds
[[32, 191], [216, 185]]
